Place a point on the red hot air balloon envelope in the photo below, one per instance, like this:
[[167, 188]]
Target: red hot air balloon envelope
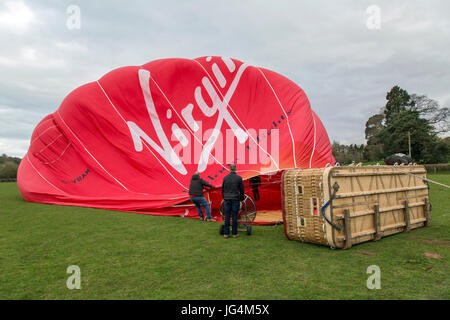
[[131, 140]]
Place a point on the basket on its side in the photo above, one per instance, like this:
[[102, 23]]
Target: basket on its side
[[343, 206]]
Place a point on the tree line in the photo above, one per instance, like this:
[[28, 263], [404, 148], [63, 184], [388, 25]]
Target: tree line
[[407, 122], [8, 167]]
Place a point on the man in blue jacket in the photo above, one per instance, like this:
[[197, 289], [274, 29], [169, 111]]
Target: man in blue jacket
[[233, 194]]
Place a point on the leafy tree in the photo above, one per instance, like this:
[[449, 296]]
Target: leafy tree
[[398, 100], [387, 133], [8, 170], [4, 158], [374, 149], [8, 167], [345, 154], [441, 152], [446, 141], [373, 126], [425, 145]]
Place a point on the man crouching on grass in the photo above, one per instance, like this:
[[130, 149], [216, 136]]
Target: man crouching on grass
[[233, 194], [196, 194]]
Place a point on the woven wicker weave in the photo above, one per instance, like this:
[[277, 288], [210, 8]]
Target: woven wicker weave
[[372, 202]]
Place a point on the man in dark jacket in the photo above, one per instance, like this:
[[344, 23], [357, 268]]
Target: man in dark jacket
[[233, 194], [196, 193]]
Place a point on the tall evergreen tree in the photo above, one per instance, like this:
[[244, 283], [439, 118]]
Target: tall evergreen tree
[[398, 100]]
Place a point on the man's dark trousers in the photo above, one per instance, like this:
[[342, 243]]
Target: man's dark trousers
[[231, 208]]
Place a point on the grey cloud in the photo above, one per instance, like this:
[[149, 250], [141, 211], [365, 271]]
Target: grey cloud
[[323, 46]]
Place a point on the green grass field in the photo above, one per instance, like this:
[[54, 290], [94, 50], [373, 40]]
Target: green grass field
[[133, 256]]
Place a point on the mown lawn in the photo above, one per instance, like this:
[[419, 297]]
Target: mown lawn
[[133, 256]]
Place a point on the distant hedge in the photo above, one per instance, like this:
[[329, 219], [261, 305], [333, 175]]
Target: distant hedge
[[8, 171], [440, 167], [8, 168]]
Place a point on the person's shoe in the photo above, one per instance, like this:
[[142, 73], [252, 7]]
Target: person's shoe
[[235, 235], [212, 219], [226, 236]]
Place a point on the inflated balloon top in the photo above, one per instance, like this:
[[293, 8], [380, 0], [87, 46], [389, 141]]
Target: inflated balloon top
[[132, 139]]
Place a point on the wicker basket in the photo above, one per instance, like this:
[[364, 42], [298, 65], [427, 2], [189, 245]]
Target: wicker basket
[[343, 206]]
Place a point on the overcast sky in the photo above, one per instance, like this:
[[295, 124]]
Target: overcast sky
[[332, 49]]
